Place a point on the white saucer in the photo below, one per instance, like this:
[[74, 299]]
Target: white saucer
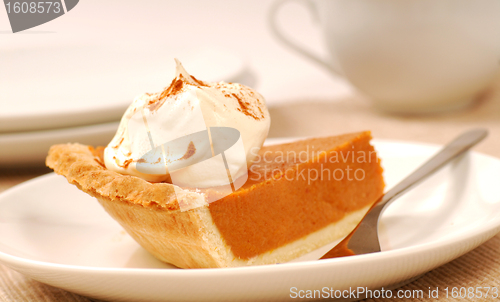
[[54, 233], [31, 148], [68, 86]]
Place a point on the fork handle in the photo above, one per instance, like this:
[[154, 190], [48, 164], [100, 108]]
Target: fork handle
[[452, 150]]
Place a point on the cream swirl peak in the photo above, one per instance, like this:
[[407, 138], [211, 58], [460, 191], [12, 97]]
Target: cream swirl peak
[[193, 133]]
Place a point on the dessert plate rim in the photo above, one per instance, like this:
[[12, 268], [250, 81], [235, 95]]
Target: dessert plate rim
[[31, 147]]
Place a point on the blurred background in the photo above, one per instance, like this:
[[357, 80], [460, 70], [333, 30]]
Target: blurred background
[[71, 79], [81, 70]]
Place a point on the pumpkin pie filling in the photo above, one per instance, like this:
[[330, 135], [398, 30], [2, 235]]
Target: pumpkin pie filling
[[296, 189]]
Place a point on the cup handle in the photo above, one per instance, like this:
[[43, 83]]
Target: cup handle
[[276, 6]]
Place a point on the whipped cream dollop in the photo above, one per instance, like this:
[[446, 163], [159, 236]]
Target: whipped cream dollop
[[193, 133]]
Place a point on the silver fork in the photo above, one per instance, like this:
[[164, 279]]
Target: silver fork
[[364, 238]]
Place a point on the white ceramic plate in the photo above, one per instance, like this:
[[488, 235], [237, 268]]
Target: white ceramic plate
[[52, 232], [30, 148], [67, 86]]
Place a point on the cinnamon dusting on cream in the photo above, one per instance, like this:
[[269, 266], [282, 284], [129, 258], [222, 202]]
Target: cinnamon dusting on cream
[[191, 150], [176, 87], [183, 107], [245, 108], [126, 163]]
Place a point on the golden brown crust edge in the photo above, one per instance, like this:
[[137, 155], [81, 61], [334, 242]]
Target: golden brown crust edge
[[149, 212], [81, 167]]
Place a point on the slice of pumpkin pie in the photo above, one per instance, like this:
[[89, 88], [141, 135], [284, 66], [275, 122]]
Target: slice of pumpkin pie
[[187, 177], [298, 197]]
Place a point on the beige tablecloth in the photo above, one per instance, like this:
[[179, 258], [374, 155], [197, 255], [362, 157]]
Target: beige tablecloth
[[478, 268]]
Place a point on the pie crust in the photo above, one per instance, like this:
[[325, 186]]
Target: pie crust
[[213, 235]]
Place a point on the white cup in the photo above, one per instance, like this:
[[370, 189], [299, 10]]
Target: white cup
[[408, 56]]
